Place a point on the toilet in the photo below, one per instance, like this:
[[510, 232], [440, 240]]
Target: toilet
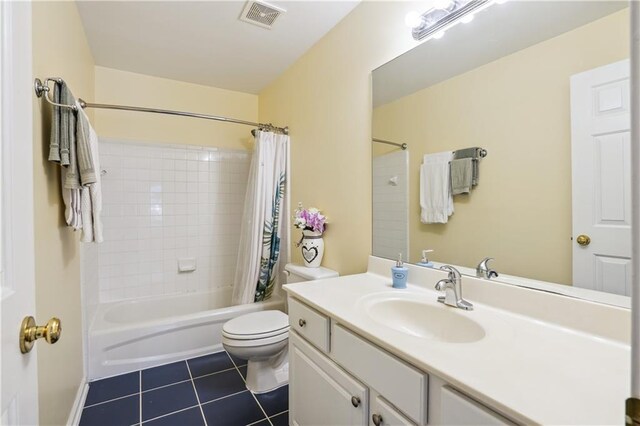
[[262, 338]]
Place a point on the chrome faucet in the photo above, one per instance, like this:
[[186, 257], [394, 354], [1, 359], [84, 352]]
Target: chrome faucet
[[452, 287], [483, 270]]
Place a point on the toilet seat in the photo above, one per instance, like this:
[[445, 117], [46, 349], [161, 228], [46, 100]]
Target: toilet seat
[[271, 326]]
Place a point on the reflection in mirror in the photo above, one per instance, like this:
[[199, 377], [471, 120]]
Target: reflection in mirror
[[544, 88]]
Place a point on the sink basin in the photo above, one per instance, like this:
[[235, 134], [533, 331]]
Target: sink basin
[[425, 320]]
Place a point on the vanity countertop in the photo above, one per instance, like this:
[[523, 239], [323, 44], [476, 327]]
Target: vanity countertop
[[532, 370]]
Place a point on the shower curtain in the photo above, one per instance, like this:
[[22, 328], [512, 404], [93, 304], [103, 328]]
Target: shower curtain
[[265, 223]]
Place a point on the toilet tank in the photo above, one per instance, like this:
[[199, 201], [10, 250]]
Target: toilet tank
[[298, 273]]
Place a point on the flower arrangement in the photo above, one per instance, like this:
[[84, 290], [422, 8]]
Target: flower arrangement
[[309, 219]]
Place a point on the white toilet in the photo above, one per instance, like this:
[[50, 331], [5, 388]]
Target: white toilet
[[262, 338]]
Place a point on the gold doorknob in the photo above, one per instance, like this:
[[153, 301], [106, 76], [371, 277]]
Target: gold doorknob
[[583, 240], [30, 332]]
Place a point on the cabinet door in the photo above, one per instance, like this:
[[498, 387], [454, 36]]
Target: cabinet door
[[320, 393], [384, 414], [458, 409]]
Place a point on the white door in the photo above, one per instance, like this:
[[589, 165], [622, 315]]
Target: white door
[[601, 171], [19, 394]]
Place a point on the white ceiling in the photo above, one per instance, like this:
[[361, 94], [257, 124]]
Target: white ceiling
[[204, 42], [500, 30]]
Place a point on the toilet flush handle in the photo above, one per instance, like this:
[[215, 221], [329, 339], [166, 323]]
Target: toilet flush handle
[[302, 322]]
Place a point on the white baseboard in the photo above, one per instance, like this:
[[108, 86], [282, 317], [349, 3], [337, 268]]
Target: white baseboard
[[78, 404]]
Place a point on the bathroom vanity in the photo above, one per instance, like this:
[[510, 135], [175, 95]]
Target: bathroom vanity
[[362, 353]]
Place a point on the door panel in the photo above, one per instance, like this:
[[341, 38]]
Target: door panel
[[601, 174], [19, 397]]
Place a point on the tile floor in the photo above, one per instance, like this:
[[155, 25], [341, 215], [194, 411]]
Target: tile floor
[[209, 390]]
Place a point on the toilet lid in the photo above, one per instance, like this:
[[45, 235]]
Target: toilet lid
[[257, 325]]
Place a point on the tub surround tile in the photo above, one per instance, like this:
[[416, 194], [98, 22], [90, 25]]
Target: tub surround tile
[[241, 409], [167, 400], [164, 375], [219, 385], [124, 411], [190, 417], [281, 419], [113, 387], [276, 401], [210, 364]]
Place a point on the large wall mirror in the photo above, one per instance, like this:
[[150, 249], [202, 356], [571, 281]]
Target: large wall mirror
[[543, 88]]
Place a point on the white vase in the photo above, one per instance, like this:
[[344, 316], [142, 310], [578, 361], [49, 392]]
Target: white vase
[[312, 248]]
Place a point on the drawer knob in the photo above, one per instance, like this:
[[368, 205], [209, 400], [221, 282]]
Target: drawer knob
[[355, 401], [302, 322], [377, 419]]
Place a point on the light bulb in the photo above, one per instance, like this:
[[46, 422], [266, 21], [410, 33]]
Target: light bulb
[[413, 19], [466, 19], [442, 4], [438, 35]]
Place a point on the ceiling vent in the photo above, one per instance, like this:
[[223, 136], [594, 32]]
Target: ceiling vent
[[261, 13]]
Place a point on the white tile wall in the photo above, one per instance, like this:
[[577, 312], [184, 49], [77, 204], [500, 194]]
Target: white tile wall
[[391, 205], [163, 203]]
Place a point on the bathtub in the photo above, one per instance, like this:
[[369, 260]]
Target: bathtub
[[132, 335]]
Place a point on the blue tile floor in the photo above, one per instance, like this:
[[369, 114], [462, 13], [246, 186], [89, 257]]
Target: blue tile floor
[[209, 390]]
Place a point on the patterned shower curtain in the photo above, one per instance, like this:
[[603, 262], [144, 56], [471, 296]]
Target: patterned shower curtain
[[263, 245]]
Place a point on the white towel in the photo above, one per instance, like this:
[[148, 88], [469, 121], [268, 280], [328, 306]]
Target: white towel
[[436, 200], [71, 198], [91, 194]]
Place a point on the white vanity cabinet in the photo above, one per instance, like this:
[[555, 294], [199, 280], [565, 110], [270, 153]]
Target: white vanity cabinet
[[320, 392], [336, 377]]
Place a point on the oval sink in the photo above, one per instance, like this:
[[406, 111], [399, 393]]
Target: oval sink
[[420, 319]]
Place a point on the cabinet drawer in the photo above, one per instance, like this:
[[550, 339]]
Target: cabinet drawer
[[458, 409], [310, 324], [388, 415], [402, 385]]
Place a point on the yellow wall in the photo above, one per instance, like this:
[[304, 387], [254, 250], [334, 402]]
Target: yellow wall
[[115, 87], [59, 49], [518, 108], [325, 99]]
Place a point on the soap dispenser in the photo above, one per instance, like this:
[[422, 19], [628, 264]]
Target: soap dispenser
[[425, 262], [399, 273]]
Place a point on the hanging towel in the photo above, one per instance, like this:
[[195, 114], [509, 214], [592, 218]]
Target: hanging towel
[[91, 192], [473, 154], [62, 150], [461, 176], [63, 125], [436, 200]]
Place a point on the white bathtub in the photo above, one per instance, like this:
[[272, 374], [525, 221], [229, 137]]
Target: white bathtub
[[132, 335]]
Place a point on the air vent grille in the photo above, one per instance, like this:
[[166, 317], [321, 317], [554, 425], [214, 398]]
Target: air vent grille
[[261, 13]]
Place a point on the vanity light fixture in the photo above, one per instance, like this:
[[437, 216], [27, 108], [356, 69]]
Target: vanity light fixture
[[443, 15]]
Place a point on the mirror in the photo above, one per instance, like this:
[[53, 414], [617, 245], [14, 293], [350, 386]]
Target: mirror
[[543, 87]]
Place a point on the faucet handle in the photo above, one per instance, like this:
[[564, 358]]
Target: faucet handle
[[453, 272]]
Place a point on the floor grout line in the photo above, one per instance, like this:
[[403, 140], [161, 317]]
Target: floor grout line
[[252, 394], [223, 397], [217, 372], [168, 414], [197, 396], [282, 412], [140, 399], [111, 400]]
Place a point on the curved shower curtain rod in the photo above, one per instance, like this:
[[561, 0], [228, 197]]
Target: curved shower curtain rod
[[43, 88]]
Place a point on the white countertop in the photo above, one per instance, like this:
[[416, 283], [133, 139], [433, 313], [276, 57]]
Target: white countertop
[[531, 370]]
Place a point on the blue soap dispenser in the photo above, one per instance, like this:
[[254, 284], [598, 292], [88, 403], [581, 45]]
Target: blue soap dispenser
[[399, 273], [425, 262]]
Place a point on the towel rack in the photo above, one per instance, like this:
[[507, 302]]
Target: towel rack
[[479, 153], [44, 89], [403, 146]]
